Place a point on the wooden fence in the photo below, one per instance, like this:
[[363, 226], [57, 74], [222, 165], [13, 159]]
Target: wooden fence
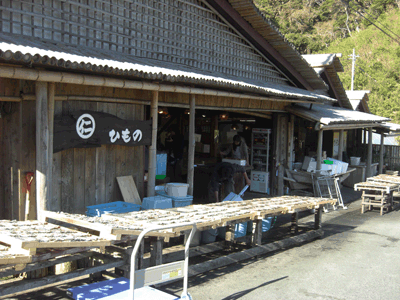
[[391, 156]]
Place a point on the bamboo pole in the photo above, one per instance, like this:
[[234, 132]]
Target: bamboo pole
[[151, 180], [190, 176], [42, 146]]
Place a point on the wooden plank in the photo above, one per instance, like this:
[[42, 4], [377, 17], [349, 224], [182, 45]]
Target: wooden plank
[[129, 190], [56, 169], [111, 182], [90, 168], [67, 171]]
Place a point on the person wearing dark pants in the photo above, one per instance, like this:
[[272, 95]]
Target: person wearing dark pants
[[223, 175]]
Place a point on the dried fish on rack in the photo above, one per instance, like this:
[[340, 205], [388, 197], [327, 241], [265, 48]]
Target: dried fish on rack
[[25, 237]]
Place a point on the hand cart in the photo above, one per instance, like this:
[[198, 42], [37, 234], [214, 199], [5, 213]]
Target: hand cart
[[141, 279]]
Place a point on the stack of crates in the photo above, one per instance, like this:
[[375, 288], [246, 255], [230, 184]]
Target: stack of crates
[[117, 207], [176, 201]]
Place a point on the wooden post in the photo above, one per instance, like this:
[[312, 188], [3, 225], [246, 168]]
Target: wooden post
[[369, 159], [289, 159], [151, 180], [318, 217], [156, 246], [257, 233], [294, 226], [215, 136], [319, 150], [341, 144], [54, 204], [382, 150], [190, 170], [42, 150]]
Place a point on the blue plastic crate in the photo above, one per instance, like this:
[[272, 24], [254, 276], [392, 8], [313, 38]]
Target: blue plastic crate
[[176, 201], [117, 207]]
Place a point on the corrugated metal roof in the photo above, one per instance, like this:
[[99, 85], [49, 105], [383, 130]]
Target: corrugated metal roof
[[276, 39], [355, 103], [38, 53], [323, 60], [329, 115], [331, 65], [357, 95]]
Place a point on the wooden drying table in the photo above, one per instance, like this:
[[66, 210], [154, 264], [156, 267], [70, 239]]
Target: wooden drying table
[[41, 245], [376, 193]]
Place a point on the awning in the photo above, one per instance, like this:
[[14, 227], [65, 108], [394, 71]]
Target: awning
[[335, 118], [389, 129]]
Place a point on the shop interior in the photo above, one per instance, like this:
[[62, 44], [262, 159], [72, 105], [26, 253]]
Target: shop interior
[[214, 132]]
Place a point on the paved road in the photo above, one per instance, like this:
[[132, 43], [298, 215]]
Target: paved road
[[358, 258]]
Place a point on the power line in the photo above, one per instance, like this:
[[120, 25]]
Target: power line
[[348, 4], [362, 9]]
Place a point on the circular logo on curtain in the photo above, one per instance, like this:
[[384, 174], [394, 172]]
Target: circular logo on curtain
[[85, 126]]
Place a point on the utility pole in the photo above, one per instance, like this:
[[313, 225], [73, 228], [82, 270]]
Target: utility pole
[[353, 58]]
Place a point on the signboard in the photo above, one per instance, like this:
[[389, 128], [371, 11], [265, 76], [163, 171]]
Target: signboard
[[85, 129]]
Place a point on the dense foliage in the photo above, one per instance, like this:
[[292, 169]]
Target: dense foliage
[[371, 27]]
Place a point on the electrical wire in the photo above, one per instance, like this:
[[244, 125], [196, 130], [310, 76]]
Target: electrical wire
[[367, 13], [355, 10]]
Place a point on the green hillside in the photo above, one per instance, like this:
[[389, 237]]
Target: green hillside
[[333, 26]]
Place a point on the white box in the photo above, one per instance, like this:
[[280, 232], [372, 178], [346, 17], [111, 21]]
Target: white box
[[206, 148], [240, 162], [259, 182], [306, 163]]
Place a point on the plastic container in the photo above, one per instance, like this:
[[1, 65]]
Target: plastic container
[[176, 201], [209, 236], [266, 224], [156, 202], [355, 161], [117, 207], [176, 189], [161, 170], [184, 201]]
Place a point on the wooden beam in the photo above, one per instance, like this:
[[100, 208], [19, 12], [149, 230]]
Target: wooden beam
[[42, 149], [369, 157], [151, 180], [382, 150], [341, 144], [190, 170], [319, 150], [54, 204]]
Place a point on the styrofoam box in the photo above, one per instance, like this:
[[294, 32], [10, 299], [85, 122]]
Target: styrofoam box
[[156, 202], [342, 166], [116, 207], [241, 162]]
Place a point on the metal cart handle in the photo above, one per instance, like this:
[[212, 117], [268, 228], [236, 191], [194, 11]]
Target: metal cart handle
[[186, 261]]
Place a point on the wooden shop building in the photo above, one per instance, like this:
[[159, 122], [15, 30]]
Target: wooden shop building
[[84, 84]]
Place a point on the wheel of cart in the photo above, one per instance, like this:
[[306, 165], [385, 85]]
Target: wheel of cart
[[140, 280]]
